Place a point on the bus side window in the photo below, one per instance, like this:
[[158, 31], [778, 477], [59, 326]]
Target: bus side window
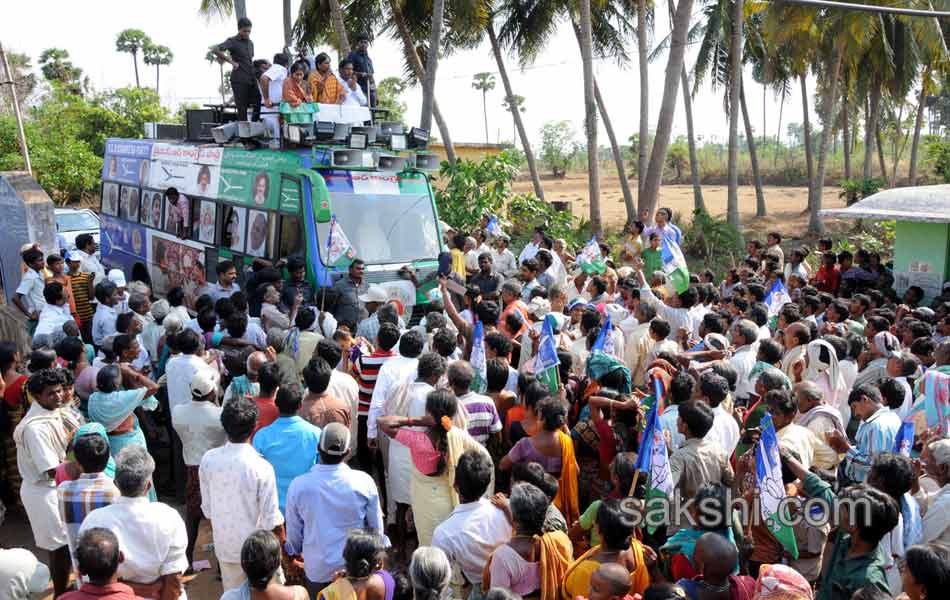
[[291, 237]]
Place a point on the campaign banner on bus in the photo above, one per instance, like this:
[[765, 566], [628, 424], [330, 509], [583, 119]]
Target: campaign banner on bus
[[252, 178], [175, 262], [191, 170], [118, 236], [127, 161]]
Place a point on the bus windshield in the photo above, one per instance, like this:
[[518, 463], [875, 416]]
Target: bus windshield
[[386, 228]]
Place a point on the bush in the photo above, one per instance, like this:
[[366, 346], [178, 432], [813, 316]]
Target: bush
[[711, 243], [938, 155], [473, 189], [558, 146], [853, 190]]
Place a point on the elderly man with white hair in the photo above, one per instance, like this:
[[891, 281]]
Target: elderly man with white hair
[[936, 505], [151, 534]]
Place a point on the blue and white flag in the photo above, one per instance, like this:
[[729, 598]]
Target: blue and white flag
[[605, 339], [777, 297], [590, 260], [674, 265], [768, 477], [478, 360], [494, 228], [904, 440], [652, 460], [546, 361]]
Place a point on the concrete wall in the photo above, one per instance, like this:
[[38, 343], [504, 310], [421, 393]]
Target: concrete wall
[[922, 256], [468, 151]]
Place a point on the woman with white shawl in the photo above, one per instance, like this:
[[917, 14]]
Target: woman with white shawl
[[821, 367]]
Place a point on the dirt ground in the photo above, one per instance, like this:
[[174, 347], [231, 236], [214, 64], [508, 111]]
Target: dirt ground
[[785, 205]]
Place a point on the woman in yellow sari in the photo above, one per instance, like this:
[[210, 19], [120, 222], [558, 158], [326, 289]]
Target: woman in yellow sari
[[553, 449], [435, 452], [617, 546], [364, 578]]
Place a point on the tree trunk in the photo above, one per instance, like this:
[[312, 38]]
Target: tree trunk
[[698, 203], [735, 85], [515, 114], [664, 125], [240, 9], [880, 153], [432, 63], [629, 206], [590, 117], [828, 103], [874, 107], [764, 102], [339, 29], [221, 71], [806, 131], [778, 133], [485, 112], [157, 67], [420, 72], [753, 157], [897, 137], [918, 121], [845, 135], [135, 63], [288, 26], [643, 158]]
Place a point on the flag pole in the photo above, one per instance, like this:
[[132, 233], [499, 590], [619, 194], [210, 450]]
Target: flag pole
[[633, 486], [326, 271]]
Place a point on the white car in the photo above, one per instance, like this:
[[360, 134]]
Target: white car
[[73, 222]]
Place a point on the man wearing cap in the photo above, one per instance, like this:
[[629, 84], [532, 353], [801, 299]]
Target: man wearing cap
[[325, 504], [117, 277], [238, 491], [374, 297], [198, 424], [503, 259], [348, 308]]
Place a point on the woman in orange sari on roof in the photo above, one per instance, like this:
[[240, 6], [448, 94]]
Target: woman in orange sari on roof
[[293, 92], [326, 87], [618, 545]]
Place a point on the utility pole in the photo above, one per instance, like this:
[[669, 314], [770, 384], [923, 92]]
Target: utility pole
[[8, 80]]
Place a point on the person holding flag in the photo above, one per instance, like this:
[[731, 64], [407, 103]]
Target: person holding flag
[[678, 312], [777, 295]]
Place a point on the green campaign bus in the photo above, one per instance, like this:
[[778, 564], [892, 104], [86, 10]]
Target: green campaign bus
[[262, 203]]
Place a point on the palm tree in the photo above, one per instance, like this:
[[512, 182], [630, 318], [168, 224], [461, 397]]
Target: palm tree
[[735, 88], [223, 8], [484, 82], [643, 143], [157, 55], [698, 203], [132, 41], [432, 63], [514, 105], [339, 29], [590, 116], [211, 57], [671, 84], [56, 67]]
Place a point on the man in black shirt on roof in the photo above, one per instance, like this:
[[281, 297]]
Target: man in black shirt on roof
[[240, 55], [363, 68]]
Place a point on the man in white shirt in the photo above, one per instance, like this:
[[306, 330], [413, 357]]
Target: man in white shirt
[[342, 385], [725, 430], [198, 425], [88, 262], [745, 334], [238, 491], [103, 321], [182, 367], [679, 317], [55, 311], [354, 94], [272, 90], [29, 293], [533, 246], [936, 513], [151, 534], [393, 372], [476, 527], [503, 259]]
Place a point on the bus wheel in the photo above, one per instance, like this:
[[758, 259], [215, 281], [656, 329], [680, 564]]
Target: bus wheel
[[140, 273]]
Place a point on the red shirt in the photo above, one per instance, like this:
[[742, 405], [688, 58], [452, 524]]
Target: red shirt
[[268, 413], [828, 280], [112, 591]]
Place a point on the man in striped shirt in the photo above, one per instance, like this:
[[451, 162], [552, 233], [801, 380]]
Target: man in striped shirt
[[81, 284], [483, 420], [91, 490], [366, 370]]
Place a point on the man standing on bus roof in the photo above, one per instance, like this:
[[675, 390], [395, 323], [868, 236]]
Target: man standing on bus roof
[[349, 309], [179, 212], [363, 68], [225, 286], [272, 85], [243, 80]]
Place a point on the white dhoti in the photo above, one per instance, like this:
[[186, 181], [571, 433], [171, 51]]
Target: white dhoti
[[42, 508], [399, 473]]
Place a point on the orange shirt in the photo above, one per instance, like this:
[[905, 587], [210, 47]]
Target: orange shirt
[[293, 93], [327, 89]]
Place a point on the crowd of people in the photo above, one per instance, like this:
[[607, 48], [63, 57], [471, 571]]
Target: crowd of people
[[340, 449], [261, 85]]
